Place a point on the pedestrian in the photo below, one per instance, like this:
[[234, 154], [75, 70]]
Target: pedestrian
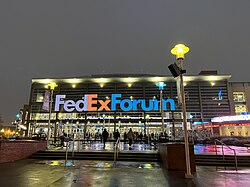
[[140, 136], [130, 137], [125, 136], [62, 137], [116, 135], [105, 136]]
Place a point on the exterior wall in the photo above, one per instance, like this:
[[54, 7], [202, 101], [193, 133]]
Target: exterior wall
[[240, 87], [16, 150], [235, 131], [201, 100], [231, 99]]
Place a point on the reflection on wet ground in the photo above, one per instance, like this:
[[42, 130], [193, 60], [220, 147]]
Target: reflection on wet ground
[[211, 149], [98, 146], [102, 164], [198, 149], [84, 173]]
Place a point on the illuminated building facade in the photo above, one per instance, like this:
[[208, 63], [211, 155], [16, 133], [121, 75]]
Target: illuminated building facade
[[122, 101]]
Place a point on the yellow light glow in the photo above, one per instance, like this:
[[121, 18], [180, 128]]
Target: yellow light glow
[[129, 79], [185, 84], [46, 86], [212, 83], [73, 86], [179, 51], [2, 130], [52, 85], [101, 85], [59, 115], [129, 85], [211, 78]]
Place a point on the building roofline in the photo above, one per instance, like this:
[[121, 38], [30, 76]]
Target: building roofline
[[128, 78]]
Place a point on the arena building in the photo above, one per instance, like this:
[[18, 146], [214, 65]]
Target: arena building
[[122, 101]]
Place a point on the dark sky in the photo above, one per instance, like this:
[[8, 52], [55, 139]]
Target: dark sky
[[57, 38]]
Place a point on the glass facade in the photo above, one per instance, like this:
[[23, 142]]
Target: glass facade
[[239, 102], [199, 100]]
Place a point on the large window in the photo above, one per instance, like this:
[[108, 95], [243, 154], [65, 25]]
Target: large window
[[239, 108], [39, 97], [239, 97]]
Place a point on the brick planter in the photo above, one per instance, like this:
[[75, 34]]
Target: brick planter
[[19, 149], [173, 156]]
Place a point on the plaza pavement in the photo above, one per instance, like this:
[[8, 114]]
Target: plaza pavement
[[84, 173], [37, 173]]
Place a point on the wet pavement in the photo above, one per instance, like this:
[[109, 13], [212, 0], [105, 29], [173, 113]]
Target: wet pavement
[[198, 149], [211, 150], [36, 173]]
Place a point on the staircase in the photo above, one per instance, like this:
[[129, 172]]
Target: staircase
[[98, 155], [200, 160], [217, 160]]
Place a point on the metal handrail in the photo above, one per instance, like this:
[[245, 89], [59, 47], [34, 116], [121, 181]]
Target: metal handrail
[[66, 153], [116, 149], [222, 149]]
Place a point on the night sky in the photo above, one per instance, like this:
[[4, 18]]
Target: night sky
[[68, 38]]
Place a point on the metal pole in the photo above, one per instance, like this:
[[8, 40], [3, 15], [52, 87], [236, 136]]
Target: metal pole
[[173, 123], [79, 142], [162, 113], [55, 133], [50, 108], [188, 168]]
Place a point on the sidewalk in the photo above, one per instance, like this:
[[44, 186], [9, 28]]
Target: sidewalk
[[34, 173]]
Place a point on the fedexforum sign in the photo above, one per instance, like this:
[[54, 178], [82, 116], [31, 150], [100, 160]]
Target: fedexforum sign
[[92, 103]]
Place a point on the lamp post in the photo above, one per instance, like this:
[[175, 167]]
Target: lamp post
[[161, 87], [52, 86], [179, 51], [147, 118]]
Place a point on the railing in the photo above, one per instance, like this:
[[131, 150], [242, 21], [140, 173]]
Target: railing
[[66, 153], [116, 149], [222, 149]]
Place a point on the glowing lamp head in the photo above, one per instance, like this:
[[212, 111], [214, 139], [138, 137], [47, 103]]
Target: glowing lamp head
[[179, 51], [161, 85], [52, 85]]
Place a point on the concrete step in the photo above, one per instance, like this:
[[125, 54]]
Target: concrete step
[[217, 160], [149, 157]]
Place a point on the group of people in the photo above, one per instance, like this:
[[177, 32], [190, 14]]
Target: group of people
[[129, 135], [104, 136]]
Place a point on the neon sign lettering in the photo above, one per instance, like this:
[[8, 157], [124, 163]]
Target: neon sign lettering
[[90, 102]]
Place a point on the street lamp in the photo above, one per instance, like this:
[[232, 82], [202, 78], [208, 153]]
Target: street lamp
[[161, 87], [147, 118], [179, 51], [52, 86]]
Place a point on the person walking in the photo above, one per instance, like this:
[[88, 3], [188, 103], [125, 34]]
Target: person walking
[[125, 137], [105, 136], [116, 135], [62, 137], [130, 137]]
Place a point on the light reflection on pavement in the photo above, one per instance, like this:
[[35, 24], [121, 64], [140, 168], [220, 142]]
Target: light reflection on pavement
[[29, 173], [198, 149], [210, 149]]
